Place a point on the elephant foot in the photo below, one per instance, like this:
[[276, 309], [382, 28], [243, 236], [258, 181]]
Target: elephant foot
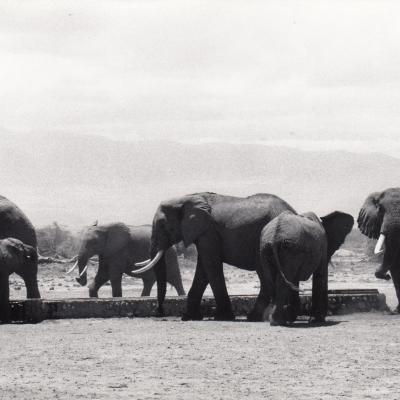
[[277, 322], [254, 316], [224, 317], [160, 311], [82, 281], [291, 313], [317, 319], [382, 275], [397, 310], [93, 293], [192, 316]]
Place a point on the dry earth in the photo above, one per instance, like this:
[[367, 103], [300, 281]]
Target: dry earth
[[356, 357], [353, 357]]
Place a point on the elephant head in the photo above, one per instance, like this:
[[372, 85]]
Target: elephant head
[[181, 219], [102, 240], [22, 259], [379, 218]]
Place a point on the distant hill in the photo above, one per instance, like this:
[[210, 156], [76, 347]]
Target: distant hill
[[78, 179]]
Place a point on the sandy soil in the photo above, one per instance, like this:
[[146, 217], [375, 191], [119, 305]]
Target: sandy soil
[[355, 357]]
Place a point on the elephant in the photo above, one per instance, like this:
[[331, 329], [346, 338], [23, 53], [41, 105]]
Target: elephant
[[379, 218], [18, 257], [294, 247], [119, 246], [223, 229], [15, 224]]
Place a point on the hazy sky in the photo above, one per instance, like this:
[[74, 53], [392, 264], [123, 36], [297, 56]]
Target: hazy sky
[[204, 70]]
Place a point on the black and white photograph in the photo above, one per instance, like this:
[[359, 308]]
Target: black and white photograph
[[199, 199]]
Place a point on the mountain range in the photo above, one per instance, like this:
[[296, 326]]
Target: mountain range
[[76, 179]]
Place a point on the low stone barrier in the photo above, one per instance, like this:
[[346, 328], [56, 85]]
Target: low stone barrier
[[340, 302]]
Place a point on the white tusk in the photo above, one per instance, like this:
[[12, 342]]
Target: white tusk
[[151, 264], [379, 244], [73, 267], [84, 270], [142, 263], [71, 259]]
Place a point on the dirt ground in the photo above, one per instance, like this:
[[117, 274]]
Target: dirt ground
[[352, 357]]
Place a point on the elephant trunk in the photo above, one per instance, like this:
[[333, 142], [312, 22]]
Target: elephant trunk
[[390, 231], [161, 276], [82, 266]]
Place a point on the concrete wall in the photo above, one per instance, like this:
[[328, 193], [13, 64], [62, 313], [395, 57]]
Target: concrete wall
[[340, 302]]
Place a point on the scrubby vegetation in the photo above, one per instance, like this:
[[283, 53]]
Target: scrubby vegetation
[[56, 240]]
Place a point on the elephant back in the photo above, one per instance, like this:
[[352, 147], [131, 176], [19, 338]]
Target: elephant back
[[14, 223]]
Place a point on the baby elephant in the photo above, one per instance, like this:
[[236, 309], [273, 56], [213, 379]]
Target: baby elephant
[[20, 258], [294, 247]]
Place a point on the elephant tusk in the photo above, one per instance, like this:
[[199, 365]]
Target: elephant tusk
[[83, 272], [73, 267], [379, 244], [142, 263], [151, 264]]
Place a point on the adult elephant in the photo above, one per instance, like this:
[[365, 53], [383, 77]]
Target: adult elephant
[[17, 257], [294, 247], [224, 229], [119, 246], [379, 218], [15, 224]]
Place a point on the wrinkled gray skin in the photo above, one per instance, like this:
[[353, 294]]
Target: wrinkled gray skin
[[224, 229], [294, 247], [15, 224], [380, 213], [17, 257], [119, 246]]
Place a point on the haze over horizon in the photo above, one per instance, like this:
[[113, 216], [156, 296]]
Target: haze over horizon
[[76, 179]]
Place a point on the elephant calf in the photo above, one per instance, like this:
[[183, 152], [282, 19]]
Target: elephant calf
[[294, 247], [119, 247], [20, 258]]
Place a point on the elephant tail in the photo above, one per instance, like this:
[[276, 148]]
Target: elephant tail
[[279, 266]]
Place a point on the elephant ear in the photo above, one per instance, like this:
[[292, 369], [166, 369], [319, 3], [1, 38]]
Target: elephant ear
[[23, 249], [196, 219], [337, 226], [370, 216], [117, 237], [31, 253]]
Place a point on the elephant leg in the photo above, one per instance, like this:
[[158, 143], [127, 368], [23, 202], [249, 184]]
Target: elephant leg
[[4, 298], [217, 282], [195, 294], [173, 272], [99, 280], [395, 272], [32, 289], [319, 306], [211, 262], [176, 282], [147, 286], [263, 299], [293, 307], [116, 285], [279, 314]]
